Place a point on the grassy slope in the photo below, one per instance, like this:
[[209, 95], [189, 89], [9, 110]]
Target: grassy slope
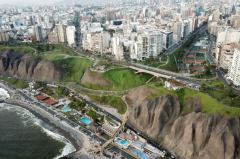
[[210, 105], [16, 83], [125, 78], [115, 102], [51, 57], [74, 67], [18, 49]]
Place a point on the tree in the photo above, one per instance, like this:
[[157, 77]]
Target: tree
[[228, 92], [203, 87]]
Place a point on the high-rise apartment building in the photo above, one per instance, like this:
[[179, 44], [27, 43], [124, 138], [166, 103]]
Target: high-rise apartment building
[[61, 30], [70, 31], [38, 33], [234, 70], [117, 49], [167, 39], [110, 15], [4, 36], [177, 32], [216, 15]]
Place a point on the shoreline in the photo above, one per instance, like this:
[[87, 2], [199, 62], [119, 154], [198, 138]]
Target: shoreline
[[77, 143]]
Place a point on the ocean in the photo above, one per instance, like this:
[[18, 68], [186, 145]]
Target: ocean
[[24, 136]]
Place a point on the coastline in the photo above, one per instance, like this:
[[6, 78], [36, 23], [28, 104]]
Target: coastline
[[76, 138]]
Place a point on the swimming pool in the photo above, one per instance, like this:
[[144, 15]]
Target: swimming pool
[[123, 143], [66, 109], [86, 121], [139, 153], [139, 144]]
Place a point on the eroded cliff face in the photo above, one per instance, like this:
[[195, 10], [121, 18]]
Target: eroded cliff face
[[24, 66], [188, 136]]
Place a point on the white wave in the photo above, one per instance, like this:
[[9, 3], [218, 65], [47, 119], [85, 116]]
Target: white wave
[[3, 94], [68, 148], [27, 116]]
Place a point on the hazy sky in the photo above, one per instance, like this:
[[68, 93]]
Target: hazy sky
[[29, 1]]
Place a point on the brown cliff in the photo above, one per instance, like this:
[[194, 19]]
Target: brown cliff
[[24, 66], [188, 136]]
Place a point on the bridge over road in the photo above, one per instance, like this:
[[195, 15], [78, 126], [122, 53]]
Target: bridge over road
[[149, 72]]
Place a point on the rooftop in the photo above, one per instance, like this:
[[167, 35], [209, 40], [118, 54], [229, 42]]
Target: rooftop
[[41, 97]]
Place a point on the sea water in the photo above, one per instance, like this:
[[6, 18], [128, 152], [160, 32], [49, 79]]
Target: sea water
[[24, 136]]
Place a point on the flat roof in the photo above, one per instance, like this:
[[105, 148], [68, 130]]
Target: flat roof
[[109, 127]]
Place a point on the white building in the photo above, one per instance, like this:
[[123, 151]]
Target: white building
[[117, 49], [234, 70], [136, 51], [177, 32], [70, 35], [228, 36]]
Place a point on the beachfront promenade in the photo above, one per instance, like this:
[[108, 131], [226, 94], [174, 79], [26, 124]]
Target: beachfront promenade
[[78, 133]]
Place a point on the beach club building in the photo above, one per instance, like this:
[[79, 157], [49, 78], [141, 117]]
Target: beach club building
[[109, 129]]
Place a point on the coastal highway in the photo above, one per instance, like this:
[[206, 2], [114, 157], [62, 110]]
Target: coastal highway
[[64, 119]]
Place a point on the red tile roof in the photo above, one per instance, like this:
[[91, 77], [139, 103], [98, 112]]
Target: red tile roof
[[49, 101], [197, 68], [196, 72], [202, 50], [41, 97], [190, 61]]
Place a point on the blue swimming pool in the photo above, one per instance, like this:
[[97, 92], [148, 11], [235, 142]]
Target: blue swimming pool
[[86, 121], [139, 144], [139, 153], [123, 142], [66, 109]]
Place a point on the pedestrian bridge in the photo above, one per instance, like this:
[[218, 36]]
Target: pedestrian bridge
[[139, 70]]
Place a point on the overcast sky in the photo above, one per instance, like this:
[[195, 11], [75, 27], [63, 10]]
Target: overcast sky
[[29, 1]]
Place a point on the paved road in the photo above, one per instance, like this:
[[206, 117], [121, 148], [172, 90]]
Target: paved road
[[66, 120], [209, 53], [177, 46]]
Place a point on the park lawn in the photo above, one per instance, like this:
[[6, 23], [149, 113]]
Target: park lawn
[[113, 101], [107, 65], [53, 57], [18, 49], [171, 65], [123, 79], [59, 49], [210, 106], [210, 83], [73, 67], [154, 64], [219, 96], [204, 77], [16, 83]]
